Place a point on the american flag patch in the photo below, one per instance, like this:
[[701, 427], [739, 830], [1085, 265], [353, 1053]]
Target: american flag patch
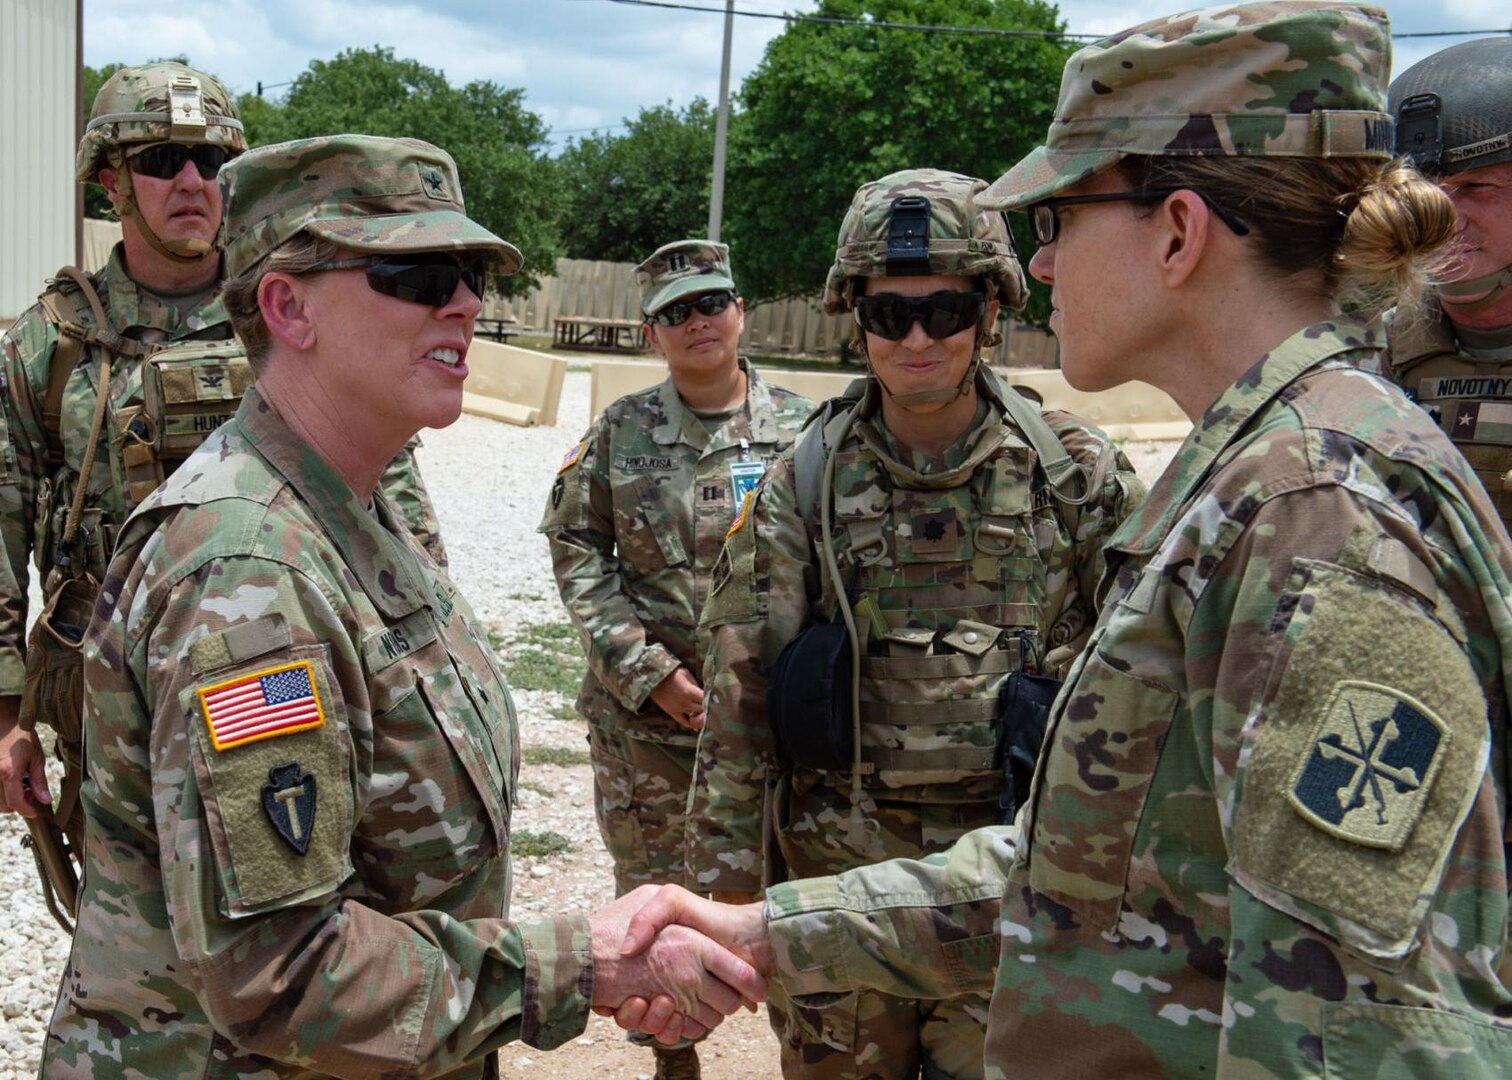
[[279, 701], [570, 458]]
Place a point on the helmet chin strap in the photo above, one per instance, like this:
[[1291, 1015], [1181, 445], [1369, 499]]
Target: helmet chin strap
[[942, 396], [183, 250], [1496, 281]]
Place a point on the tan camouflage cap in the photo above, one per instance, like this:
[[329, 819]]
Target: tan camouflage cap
[[363, 192], [683, 268], [1284, 78], [156, 103], [963, 236]]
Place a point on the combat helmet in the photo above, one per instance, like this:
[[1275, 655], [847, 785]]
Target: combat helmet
[[156, 103], [1454, 113], [926, 221]]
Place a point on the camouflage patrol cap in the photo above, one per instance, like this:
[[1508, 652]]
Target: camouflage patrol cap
[[157, 103], [964, 237], [363, 192], [1454, 109], [1283, 78], [683, 268]]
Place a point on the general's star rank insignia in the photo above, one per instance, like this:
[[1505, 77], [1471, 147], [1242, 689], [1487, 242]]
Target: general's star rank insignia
[[1371, 763]]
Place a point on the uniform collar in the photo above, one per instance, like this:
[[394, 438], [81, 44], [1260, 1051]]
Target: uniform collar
[[134, 308], [754, 420], [389, 571], [1353, 339]]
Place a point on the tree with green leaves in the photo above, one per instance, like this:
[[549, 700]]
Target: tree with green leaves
[[628, 194], [499, 145], [832, 107]]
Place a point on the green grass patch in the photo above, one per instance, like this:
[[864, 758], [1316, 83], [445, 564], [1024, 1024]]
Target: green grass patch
[[562, 757], [542, 656], [526, 596], [566, 711], [540, 789], [538, 845]]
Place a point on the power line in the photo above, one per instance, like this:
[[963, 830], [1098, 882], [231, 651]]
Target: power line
[[992, 31]]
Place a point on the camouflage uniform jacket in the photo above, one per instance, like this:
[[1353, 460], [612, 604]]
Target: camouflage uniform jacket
[[31, 493], [1468, 392], [635, 521], [1268, 834], [773, 586], [314, 888]]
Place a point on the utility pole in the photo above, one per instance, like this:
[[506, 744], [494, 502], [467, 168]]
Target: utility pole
[[721, 127]]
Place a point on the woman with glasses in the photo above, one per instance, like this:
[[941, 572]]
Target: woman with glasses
[[301, 752], [1268, 833], [930, 537], [635, 521]]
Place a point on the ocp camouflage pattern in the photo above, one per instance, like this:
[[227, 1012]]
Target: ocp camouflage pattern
[[1286, 78], [121, 114], [208, 944], [965, 237], [1268, 830], [34, 498]]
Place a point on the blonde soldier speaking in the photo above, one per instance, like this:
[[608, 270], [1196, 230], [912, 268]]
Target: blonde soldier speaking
[[934, 539], [635, 521], [79, 456]]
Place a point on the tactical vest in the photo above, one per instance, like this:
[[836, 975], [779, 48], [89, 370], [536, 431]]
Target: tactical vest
[[153, 405], [947, 577], [1470, 398]]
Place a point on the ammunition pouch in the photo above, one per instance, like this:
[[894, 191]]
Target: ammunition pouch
[[808, 698], [188, 391], [1022, 721]]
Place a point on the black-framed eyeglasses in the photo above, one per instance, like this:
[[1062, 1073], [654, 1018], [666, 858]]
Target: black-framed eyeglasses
[[942, 314], [1044, 222], [423, 277], [164, 161], [709, 304]]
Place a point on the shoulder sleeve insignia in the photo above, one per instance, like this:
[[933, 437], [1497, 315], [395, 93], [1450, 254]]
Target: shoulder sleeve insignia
[[1370, 765], [276, 701], [570, 458], [740, 516], [288, 798]]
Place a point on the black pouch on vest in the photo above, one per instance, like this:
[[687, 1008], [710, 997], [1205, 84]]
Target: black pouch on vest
[[808, 698], [1022, 720]]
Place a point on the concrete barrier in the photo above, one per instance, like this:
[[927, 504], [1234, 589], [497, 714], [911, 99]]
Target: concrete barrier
[[1134, 411], [515, 385]]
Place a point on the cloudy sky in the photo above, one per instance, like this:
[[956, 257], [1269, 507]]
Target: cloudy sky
[[584, 64]]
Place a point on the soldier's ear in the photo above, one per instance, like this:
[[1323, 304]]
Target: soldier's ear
[[656, 343], [284, 301]]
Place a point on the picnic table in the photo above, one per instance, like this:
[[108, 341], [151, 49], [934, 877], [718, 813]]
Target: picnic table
[[500, 330], [582, 332]]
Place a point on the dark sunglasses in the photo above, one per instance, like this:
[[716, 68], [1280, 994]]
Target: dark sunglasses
[[1044, 223], [942, 314], [425, 277], [709, 304], [166, 160]]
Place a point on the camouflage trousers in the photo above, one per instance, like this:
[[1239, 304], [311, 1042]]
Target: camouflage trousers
[[868, 1035], [640, 794]]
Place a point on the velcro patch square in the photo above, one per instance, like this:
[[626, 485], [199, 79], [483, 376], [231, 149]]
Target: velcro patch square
[[278, 701], [1371, 762]]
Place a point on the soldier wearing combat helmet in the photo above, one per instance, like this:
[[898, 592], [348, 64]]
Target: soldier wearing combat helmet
[[1454, 353], [1267, 832], [931, 538], [97, 411]]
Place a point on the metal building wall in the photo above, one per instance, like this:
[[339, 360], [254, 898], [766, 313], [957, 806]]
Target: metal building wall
[[39, 116]]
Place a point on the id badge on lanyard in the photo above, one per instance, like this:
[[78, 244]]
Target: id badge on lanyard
[[743, 478]]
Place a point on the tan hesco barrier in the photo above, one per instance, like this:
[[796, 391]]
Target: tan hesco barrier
[[515, 385], [1135, 411]]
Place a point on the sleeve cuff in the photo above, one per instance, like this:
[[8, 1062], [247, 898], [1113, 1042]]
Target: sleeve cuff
[[808, 937], [656, 663], [558, 990]]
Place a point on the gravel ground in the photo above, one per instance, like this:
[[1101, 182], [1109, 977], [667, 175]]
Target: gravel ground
[[488, 481]]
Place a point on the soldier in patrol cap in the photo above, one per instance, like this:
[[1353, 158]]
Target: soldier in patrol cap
[[635, 521], [79, 455], [1267, 835], [302, 753], [930, 535], [1453, 354]]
